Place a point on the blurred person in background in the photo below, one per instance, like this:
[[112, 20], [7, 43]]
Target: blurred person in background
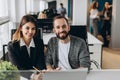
[[106, 25]]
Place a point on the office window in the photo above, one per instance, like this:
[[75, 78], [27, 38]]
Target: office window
[[29, 6], [3, 8], [3, 11], [5, 34], [4, 24]]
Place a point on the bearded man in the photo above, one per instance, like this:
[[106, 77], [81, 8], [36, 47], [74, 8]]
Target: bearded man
[[65, 52]]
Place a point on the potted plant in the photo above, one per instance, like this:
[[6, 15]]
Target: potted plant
[[8, 71]]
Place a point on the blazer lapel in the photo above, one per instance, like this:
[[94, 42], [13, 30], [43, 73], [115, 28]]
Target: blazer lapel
[[71, 50], [24, 52], [25, 56], [56, 53]]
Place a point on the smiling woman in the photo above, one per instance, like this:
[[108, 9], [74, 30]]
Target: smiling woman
[[26, 49]]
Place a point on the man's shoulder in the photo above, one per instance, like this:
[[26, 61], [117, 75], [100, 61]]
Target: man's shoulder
[[76, 38], [53, 39]]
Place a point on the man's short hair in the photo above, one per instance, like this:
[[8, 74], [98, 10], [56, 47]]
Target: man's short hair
[[59, 17], [61, 3]]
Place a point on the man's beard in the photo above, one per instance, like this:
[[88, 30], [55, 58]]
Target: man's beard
[[63, 37]]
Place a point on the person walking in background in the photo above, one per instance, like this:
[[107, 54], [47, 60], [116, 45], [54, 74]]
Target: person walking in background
[[106, 26], [62, 10], [94, 17], [26, 49], [65, 51]]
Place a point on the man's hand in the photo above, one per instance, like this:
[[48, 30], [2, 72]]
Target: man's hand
[[49, 68], [37, 76], [58, 68]]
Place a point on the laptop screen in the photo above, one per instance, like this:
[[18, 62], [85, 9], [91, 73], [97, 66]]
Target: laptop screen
[[74, 74]]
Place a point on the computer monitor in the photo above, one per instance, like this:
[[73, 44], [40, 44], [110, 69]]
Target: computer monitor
[[74, 74]]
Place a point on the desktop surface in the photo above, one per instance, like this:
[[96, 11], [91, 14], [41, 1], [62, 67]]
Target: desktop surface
[[75, 74]]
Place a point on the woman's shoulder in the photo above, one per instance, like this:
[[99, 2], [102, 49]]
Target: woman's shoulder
[[53, 39], [13, 43]]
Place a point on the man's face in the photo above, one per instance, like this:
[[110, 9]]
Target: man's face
[[61, 28]]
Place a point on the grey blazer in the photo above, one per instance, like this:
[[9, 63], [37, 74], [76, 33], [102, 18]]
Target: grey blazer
[[78, 55]]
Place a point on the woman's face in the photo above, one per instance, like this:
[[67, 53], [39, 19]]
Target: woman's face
[[106, 5], [28, 30], [97, 5]]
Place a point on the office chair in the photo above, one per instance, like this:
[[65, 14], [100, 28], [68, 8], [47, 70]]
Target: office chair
[[5, 54], [81, 31], [45, 24]]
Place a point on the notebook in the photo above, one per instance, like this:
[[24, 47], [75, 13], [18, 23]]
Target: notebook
[[74, 74]]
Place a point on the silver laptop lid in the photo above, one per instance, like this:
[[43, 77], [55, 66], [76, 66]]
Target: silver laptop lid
[[74, 74]]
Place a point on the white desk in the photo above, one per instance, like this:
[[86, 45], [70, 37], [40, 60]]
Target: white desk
[[95, 46], [106, 74], [98, 74], [22, 78]]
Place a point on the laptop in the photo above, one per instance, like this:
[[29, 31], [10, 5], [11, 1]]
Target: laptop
[[74, 74]]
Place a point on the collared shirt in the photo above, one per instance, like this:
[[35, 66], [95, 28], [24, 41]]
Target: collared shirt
[[32, 44]]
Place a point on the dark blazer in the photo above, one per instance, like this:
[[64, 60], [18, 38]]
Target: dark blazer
[[19, 55]]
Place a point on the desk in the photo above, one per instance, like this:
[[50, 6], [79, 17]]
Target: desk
[[95, 46], [106, 74], [22, 78], [98, 74]]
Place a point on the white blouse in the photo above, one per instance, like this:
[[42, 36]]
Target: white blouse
[[32, 44]]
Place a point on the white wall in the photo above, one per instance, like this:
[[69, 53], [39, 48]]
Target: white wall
[[115, 43], [20, 9], [79, 12], [28, 6], [12, 12], [43, 5], [36, 6], [16, 10]]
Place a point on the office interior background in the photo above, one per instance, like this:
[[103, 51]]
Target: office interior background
[[11, 12]]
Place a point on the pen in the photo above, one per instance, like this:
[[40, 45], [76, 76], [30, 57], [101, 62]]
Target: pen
[[37, 69]]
